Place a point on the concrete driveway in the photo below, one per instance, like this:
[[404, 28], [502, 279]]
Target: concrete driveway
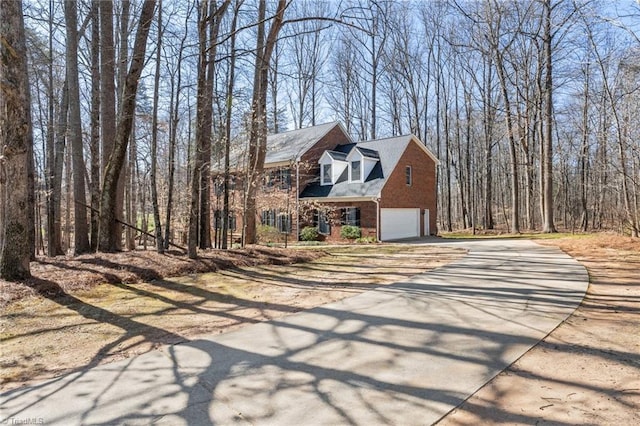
[[403, 354]]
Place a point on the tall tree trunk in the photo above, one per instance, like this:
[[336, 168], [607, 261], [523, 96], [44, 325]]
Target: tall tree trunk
[[54, 162], [129, 176], [108, 103], [547, 160], [227, 138], [584, 152], [258, 133], [203, 126], [95, 125], [174, 116], [154, 139], [199, 216], [121, 77], [515, 190], [59, 159], [107, 242], [81, 229], [16, 144], [487, 189]]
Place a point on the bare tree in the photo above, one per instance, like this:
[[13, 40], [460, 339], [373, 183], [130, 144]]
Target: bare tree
[[199, 215], [154, 138], [107, 240], [81, 229], [258, 131], [108, 105], [227, 137]]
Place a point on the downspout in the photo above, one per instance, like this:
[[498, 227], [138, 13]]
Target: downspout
[[297, 200], [377, 201]]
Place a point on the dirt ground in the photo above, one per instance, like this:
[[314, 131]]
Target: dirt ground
[[80, 312], [587, 371]]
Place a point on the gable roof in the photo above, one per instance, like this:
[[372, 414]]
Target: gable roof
[[336, 155], [389, 151], [290, 146]]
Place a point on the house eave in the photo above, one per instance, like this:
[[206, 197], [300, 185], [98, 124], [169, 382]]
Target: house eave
[[284, 163], [339, 199]]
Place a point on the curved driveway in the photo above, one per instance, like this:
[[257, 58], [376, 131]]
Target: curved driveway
[[403, 354]]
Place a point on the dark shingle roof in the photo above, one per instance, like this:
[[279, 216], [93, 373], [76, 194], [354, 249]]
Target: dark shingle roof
[[336, 155], [388, 150]]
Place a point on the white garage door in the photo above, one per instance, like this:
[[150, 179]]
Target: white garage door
[[399, 223]]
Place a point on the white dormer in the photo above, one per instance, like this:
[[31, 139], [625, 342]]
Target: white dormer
[[361, 162], [332, 165]]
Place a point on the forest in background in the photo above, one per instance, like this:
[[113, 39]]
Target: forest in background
[[530, 105]]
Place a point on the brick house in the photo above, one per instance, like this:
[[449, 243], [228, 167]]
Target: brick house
[[319, 177]]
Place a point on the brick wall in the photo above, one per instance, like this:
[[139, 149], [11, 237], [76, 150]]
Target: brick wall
[[422, 192], [368, 219], [277, 198], [309, 168]]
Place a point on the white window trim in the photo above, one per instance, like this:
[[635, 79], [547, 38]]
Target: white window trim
[[351, 177], [322, 179], [410, 169]]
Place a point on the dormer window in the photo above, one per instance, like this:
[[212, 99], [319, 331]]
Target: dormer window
[[356, 171], [326, 174]]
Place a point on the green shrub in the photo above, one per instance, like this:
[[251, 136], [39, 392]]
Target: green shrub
[[268, 234], [309, 233], [350, 232]]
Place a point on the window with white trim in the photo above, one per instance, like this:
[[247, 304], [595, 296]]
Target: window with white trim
[[356, 171], [408, 175], [326, 174]]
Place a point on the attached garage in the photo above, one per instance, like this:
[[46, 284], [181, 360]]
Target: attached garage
[[399, 223]]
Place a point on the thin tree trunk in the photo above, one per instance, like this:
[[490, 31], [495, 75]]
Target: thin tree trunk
[[227, 139], [515, 190], [547, 160], [54, 159], [174, 114], [81, 229], [154, 140], [584, 152], [130, 178], [95, 125]]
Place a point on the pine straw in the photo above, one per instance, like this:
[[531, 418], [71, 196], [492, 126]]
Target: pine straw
[[55, 276]]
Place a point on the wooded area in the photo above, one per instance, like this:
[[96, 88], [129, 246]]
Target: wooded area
[[529, 105]]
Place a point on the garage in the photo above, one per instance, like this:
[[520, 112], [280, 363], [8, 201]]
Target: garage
[[399, 223]]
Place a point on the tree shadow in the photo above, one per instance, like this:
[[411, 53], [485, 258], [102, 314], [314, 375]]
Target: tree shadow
[[336, 360]]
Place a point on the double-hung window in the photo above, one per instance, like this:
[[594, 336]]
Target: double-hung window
[[321, 219], [355, 171], [408, 175], [326, 174], [351, 216]]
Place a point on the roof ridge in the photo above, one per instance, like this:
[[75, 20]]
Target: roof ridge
[[304, 128], [408, 135]]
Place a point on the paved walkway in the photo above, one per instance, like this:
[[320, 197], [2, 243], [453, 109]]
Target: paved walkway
[[404, 354]]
